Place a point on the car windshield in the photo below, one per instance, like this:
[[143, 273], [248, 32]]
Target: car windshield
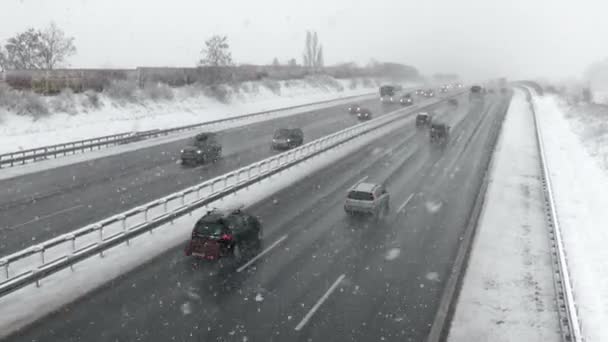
[[360, 196], [282, 133], [331, 194]]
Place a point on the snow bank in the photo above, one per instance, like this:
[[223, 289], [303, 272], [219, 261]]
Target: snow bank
[[81, 116], [580, 184], [507, 293]]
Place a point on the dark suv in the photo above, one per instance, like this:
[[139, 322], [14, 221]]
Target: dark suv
[[286, 138], [439, 133], [364, 114], [423, 119], [231, 233], [204, 148]]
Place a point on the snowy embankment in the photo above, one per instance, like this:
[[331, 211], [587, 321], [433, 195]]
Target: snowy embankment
[[124, 108], [507, 292], [576, 152]]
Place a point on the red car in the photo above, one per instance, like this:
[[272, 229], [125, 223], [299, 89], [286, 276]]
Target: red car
[[221, 234]]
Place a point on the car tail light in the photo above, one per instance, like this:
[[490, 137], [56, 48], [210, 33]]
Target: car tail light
[[226, 237]]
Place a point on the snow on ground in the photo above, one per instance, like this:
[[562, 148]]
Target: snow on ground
[[580, 185], [507, 293], [188, 106], [30, 303]]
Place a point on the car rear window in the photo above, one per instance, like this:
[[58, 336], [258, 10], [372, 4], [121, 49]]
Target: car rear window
[[360, 196], [209, 228]]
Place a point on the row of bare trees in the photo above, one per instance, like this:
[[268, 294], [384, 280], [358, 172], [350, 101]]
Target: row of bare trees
[[50, 48]]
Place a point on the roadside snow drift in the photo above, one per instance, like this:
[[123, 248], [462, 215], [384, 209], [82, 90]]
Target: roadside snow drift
[[507, 293], [82, 116], [580, 186]]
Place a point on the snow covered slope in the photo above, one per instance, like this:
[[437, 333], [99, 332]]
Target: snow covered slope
[[507, 293], [81, 116], [576, 153]]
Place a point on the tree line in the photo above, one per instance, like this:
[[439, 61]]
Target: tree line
[[50, 48]]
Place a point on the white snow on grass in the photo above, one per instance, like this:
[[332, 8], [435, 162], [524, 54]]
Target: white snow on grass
[[580, 188], [75, 121], [507, 293], [30, 303]]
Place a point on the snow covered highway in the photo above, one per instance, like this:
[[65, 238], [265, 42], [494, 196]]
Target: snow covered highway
[[324, 277]]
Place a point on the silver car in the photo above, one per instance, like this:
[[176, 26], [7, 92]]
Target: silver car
[[368, 199]]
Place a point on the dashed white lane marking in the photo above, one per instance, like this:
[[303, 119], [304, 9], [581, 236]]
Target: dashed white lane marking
[[254, 259], [319, 303], [40, 218], [402, 206]]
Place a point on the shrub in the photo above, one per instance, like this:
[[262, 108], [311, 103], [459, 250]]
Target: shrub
[[64, 102], [31, 104], [121, 90], [158, 91], [272, 85], [92, 98], [218, 92]]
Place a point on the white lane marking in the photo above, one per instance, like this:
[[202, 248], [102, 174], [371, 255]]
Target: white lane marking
[[36, 219], [361, 180], [254, 259], [319, 303], [402, 206]]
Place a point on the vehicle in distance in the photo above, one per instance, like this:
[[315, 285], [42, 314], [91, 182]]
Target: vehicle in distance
[[444, 89], [229, 233], [406, 100], [364, 114], [419, 91], [204, 148], [429, 93], [354, 109], [439, 133], [476, 92], [423, 119], [286, 138], [388, 93], [367, 199], [453, 102]]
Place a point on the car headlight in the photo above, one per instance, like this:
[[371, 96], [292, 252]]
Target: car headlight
[[199, 152], [288, 140], [181, 151]]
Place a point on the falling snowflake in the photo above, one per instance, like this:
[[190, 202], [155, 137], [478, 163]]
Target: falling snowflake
[[259, 297], [432, 276], [433, 206], [186, 308], [392, 254]]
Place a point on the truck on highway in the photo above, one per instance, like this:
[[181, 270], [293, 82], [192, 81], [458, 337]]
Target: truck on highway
[[476, 93], [389, 93]]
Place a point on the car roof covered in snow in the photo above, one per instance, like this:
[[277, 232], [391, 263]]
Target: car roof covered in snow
[[365, 187]]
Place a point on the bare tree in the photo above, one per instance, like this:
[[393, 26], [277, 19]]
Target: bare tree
[[313, 51], [56, 47], [275, 62], [35, 49], [22, 51], [217, 52], [292, 62]]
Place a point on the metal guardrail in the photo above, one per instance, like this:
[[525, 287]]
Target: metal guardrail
[[21, 268], [570, 323], [45, 152]]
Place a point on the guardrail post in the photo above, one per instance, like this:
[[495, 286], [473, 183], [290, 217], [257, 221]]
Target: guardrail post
[[35, 274], [40, 249], [72, 239], [124, 228], [183, 198], [146, 214], [165, 205], [225, 181], [4, 264]]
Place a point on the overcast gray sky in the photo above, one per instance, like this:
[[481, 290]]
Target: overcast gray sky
[[476, 38]]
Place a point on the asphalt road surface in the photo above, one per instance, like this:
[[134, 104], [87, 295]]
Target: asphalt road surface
[[329, 277], [39, 206]]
